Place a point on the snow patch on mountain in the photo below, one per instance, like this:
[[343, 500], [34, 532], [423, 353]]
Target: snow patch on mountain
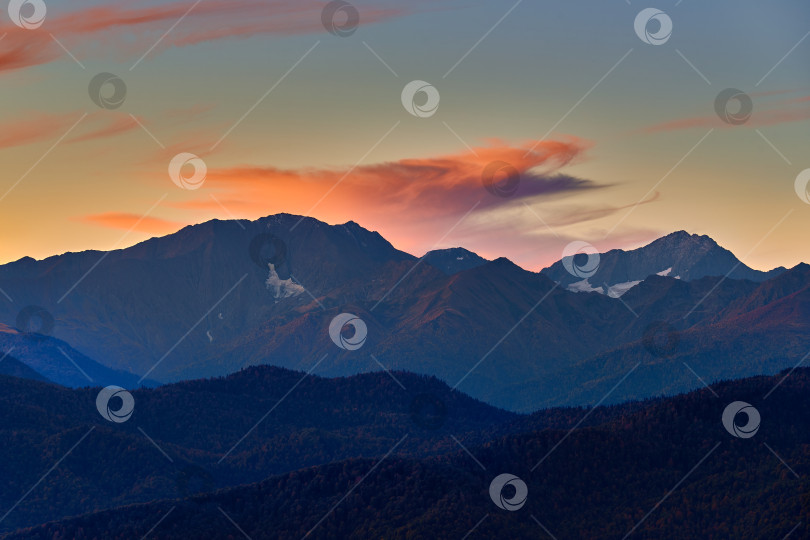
[[615, 290], [281, 288], [584, 286]]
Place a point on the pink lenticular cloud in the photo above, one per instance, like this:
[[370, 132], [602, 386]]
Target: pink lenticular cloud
[[413, 200], [422, 187]]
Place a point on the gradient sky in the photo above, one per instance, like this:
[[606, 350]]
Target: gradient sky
[[612, 121]]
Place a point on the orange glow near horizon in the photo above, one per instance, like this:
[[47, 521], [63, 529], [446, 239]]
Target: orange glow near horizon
[[289, 117]]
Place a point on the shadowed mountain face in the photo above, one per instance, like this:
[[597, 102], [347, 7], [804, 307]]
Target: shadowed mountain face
[[47, 358], [680, 255], [667, 469], [217, 297], [208, 434], [710, 328], [453, 260], [189, 295], [13, 367], [203, 435]]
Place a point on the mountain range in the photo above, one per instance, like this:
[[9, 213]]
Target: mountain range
[[257, 415], [217, 297]]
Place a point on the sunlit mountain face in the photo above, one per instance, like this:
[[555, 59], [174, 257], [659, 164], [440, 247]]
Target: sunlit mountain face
[[375, 269]]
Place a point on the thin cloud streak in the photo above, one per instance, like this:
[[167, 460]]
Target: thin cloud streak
[[39, 127], [785, 111], [86, 31]]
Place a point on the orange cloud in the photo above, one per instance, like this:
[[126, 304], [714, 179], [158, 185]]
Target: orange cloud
[[120, 220], [421, 187], [132, 31], [411, 200]]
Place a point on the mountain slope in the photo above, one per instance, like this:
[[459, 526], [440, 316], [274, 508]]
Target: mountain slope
[[196, 304], [680, 255], [178, 297], [54, 360], [513, 339], [739, 329], [446, 325], [14, 368], [453, 260], [216, 433], [682, 475]]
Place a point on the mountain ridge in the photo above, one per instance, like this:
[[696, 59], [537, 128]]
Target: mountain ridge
[[220, 296], [679, 254], [55, 361]]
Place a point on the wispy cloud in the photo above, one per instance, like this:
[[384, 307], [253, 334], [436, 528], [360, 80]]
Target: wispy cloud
[[110, 125], [130, 31], [781, 112], [36, 127]]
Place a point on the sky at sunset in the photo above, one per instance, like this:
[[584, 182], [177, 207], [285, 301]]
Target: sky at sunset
[[616, 141]]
